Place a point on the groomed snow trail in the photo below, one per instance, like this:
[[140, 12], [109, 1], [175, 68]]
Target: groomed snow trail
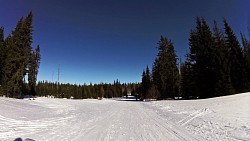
[[79, 120], [44, 119]]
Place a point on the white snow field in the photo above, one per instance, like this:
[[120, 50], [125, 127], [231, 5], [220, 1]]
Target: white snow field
[[44, 119]]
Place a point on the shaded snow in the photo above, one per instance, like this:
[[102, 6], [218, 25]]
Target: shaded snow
[[223, 118]]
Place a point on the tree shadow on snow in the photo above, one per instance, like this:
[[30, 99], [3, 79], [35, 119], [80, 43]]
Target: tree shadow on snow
[[20, 139]]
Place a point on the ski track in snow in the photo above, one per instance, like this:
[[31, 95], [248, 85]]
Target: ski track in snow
[[223, 118]]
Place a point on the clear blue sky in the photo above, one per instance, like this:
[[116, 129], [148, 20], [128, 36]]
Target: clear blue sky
[[103, 40]]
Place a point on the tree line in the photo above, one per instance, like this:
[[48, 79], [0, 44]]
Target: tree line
[[19, 62], [217, 64], [102, 90]]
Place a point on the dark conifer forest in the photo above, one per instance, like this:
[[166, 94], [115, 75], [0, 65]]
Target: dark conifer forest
[[102, 90], [19, 62], [217, 64]]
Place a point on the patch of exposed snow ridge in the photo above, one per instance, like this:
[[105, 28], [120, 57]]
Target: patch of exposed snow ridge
[[222, 118]]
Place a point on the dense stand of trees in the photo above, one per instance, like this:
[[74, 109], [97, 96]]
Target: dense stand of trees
[[163, 83], [18, 60], [216, 65], [116, 89]]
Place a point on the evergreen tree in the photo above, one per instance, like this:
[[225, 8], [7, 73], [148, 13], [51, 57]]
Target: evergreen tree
[[18, 55], [156, 73], [201, 50], [146, 83], [10, 81], [2, 54], [246, 48], [101, 91], [246, 54], [165, 71], [223, 81], [15, 61], [187, 80], [236, 60], [33, 66]]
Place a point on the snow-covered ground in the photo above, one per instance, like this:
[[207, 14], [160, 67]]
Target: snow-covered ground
[[223, 118]]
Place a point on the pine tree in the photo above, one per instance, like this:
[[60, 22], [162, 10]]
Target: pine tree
[[173, 72], [187, 80], [201, 50], [146, 83], [2, 58], [10, 83], [2, 54], [156, 73], [246, 55], [18, 56], [33, 66], [143, 83], [14, 68], [223, 85], [101, 91], [16, 59], [165, 72], [236, 60], [27, 39]]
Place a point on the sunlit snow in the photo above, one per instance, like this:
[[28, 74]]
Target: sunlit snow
[[223, 118]]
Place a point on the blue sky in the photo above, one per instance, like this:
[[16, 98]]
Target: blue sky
[[103, 40]]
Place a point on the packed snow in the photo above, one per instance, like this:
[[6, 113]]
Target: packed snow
[[222, 118]]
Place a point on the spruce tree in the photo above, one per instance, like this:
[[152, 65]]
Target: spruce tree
[[202, 59], [33, 66], [143, 85], [236, 60], [187, 80], [173, 72], [146, 84], [156, 74], [16, 60], [18, 56], [246, 55], [223, 85], [2, 54], [165, 71], [101, 91]]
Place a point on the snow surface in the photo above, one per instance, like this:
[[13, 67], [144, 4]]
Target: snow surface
[[223, 118]]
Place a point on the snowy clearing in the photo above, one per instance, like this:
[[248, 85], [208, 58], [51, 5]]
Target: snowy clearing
[[223, 118]]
